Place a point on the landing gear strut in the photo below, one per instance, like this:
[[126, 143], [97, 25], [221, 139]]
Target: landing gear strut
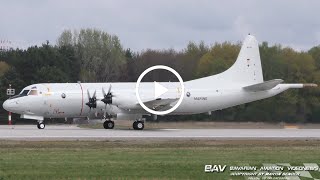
[[41, 125], [108, 124], [138, 125]]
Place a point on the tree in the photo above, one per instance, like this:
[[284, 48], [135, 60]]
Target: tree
[[4, 67], [100, 54], [51, 74], [218, 59], [65, 39], [315, 53]]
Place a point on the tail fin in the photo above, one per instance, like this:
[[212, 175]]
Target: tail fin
[[246, 70]]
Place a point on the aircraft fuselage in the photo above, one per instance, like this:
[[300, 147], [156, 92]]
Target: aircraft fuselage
[[68, 99]]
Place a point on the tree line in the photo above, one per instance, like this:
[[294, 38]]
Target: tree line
[[92, 55]]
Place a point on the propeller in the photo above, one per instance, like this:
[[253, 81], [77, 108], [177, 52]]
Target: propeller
[[107, 97], [92, 100]]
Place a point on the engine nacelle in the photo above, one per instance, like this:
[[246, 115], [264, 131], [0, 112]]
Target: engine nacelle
[[100, 105]]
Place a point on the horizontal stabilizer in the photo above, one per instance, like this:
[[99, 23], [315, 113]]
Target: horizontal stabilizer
[[263, 86]]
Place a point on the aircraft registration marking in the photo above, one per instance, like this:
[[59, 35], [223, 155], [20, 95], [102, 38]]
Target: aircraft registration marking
[[200, 98]]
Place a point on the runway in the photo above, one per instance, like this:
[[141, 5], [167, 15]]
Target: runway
[[72, 132]]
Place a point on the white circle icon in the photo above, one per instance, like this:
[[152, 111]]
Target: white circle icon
[[162, 90]]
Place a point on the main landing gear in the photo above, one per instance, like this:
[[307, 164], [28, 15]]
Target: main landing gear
[[108, 124], [41, 125], [138, 125]]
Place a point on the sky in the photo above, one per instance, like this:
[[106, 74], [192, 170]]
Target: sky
[[163, 24]]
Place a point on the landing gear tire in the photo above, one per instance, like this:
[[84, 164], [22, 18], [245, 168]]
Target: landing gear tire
[[108, 124], [41, 125], [138, 125]]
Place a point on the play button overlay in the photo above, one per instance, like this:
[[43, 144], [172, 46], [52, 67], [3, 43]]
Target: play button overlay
[[160, 92]]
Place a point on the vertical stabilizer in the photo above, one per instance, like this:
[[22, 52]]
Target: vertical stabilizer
[[247, 68], [245, 71]]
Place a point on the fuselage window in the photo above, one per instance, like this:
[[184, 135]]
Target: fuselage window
[[33, 92]]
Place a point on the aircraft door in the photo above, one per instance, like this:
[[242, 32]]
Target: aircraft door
[[70, 100], [43, 92]]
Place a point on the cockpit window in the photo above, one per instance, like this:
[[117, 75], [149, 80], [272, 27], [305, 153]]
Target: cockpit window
[[33, 92], [24, 92]]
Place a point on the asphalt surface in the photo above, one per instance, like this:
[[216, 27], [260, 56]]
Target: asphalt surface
[[72, 132]]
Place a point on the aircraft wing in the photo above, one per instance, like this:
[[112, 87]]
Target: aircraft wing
[[161, 104]]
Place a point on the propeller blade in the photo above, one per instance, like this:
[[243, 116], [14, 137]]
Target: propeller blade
[[94, 94], [104, 92], [109, 91], [88, 103], [88, 94]]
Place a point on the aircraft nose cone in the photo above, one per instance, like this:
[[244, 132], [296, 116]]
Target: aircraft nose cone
[[8, 105]]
